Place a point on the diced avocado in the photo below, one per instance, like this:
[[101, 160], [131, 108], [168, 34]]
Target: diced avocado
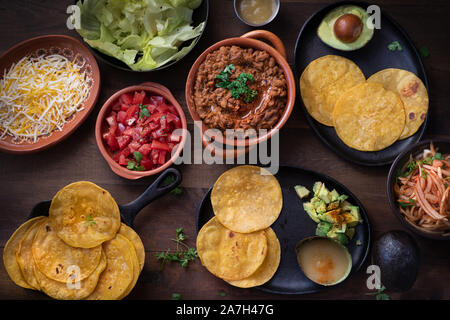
[[352, 217], [309, 208], [350, 232], [323, 228], [302, 192], [342, 197], [324, 194], [332, 206], [334, 195], [316, 187], [342, 238], [325, 217], [340, 228], [319, 205]]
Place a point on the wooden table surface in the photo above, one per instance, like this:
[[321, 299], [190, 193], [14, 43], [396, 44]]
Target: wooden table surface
[[28, 179]]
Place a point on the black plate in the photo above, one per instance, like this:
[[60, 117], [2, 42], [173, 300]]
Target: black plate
[[294, 224], [198, 16], [372, 58]]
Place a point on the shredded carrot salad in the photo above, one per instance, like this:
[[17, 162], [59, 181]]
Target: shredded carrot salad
[[423, 190]]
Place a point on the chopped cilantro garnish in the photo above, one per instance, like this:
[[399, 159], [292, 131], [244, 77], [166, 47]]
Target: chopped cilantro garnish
[[395, 46], [89, 221], [238, 88], [183, 254], [424, 52], [176, 296]]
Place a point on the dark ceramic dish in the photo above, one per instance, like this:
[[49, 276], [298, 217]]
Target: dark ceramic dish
[[444, 147], [294, 225]]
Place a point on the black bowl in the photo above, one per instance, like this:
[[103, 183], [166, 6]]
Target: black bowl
[[444, 147], [199, 15]]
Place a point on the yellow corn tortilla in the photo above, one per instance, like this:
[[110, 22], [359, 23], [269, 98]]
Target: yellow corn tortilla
[[9, 253], [268, 268], [368, 117], [230, 255], [119, 273], [134, 238], [24, 255], [413, 93], [324, 81], [84, 215], [53, 257], [136, 269], [69, 291], [247, 199]]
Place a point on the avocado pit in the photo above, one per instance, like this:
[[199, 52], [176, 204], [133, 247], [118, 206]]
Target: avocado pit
[[348, 28]]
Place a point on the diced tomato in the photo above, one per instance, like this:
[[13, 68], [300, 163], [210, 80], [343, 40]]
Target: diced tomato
[[116, 106], [172, 109], [134, 146], [112, 119], [154, 155], [147, 163], [126, 152], [138, 97], [133, 112], [146, 100], [123, 160], [130, 132], [156, 100], [111, 141], [121, 117], [162, 157], [145, 149], [156, 116], [126, 98], [124, 107], [163, 122], [160, 145], [123, 141], [162, 108]]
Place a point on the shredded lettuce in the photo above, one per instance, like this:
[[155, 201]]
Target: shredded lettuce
[[144, 34]]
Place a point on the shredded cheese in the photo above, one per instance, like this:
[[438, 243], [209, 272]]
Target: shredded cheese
[[39, 94]]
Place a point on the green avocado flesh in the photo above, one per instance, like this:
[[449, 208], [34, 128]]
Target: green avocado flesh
[[326, 28]]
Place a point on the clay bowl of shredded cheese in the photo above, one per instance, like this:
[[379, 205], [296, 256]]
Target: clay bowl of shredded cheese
[[48, 87]]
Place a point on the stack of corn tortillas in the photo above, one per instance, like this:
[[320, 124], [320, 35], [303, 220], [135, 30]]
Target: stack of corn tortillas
[[81, 251], [238, 244], [368, 115]]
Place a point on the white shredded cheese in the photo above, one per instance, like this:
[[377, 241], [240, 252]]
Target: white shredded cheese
[[39, 94]]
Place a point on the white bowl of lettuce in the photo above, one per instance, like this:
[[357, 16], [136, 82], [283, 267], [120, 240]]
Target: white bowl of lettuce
[[141, 35]]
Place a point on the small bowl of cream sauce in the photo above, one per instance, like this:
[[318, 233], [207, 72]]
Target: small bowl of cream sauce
[[256, 13]]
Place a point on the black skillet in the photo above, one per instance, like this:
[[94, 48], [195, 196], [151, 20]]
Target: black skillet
[[294, 224], [198, 16], [129, 211], [373, 57]]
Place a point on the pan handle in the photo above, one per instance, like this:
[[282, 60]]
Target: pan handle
[[269, 36], [157, 189]]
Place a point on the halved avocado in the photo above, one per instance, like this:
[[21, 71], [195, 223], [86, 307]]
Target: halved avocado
[[346, 28]]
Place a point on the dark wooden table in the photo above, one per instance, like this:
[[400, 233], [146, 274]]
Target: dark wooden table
[[26, 180]]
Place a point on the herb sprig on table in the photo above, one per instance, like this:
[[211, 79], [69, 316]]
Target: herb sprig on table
[[380, 294], [183, 253], [238, 88]]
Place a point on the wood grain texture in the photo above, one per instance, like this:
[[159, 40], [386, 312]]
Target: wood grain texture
[[26, 180]]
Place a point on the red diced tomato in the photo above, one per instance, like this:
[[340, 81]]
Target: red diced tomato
[[112, 119], [145, 149], [124, 107], [123, 160], [160, 145], [116, 106], [146, 100], [126, 152], [123, 141], [133, 112], [172, 109], [121, 117], [162, 157], [162, 108], [163, 122], [156, 116], [156, 100], [134, 146], [111, 141], [126, 98], [147, 164], [138, 97]]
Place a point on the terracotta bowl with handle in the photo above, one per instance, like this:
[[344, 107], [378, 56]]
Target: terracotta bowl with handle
[[100, 128], [248, 40], [73, 50]]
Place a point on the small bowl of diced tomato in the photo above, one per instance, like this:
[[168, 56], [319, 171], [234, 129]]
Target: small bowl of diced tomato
[[141, 130]]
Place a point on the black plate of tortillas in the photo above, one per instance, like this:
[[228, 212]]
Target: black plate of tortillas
[[371, 58], [294, 224]]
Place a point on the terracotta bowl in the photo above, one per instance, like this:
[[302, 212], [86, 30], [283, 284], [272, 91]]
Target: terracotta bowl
[[248, 40], [71, 49], [152, 88]]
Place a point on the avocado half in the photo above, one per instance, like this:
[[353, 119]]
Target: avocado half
[[326, 30]]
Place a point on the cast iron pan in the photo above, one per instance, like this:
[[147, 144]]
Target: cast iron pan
[[128, 211], [294, 224], [373, 57], [198, 16]]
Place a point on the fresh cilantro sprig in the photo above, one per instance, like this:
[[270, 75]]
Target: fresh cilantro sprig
[[168, 180], [183, 253], [395, 46], [135, 164], [89, 221], [380, 294], [238, 88], [144, 111]]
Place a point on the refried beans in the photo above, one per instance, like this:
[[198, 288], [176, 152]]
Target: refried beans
[[218, 109]]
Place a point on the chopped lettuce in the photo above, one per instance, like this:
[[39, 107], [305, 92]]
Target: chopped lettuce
[[144, 34]]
